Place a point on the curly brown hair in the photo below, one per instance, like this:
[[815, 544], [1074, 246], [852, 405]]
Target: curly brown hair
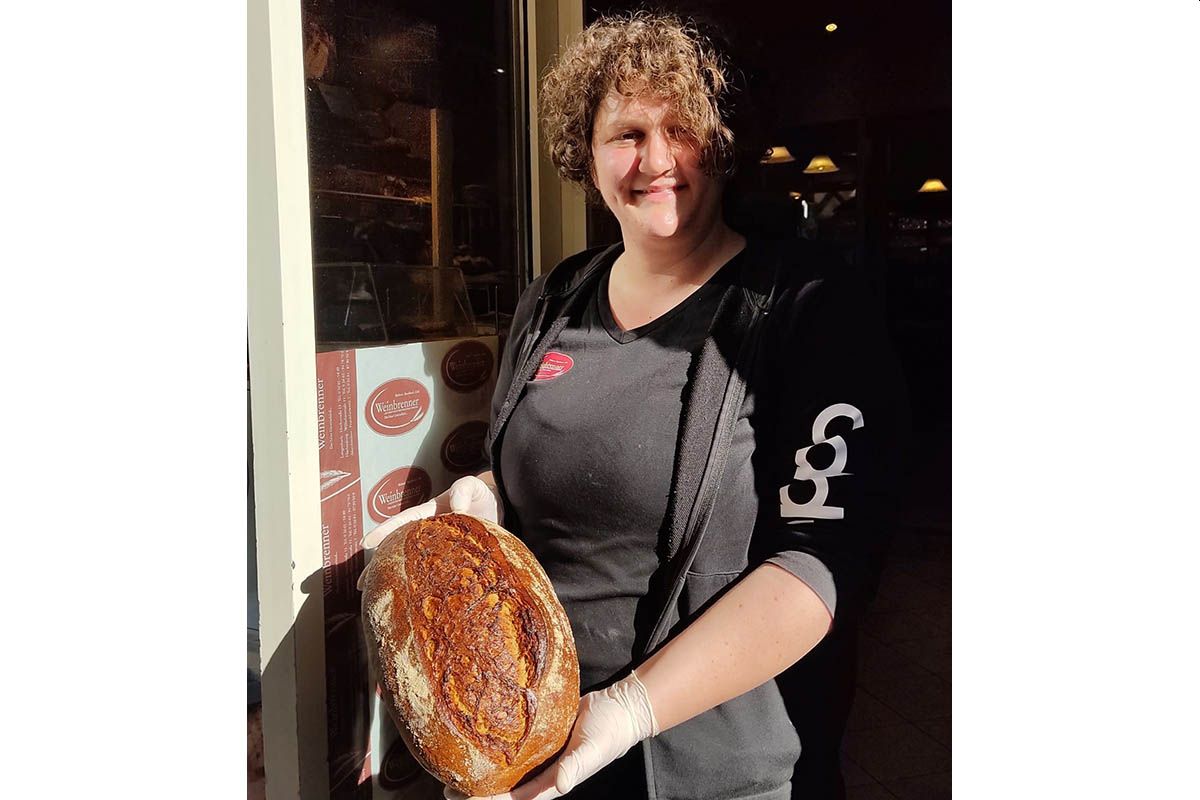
[[636, 54]]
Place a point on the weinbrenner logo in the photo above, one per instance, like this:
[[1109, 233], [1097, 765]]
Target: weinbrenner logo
[[463, 449], [554, 365], [400, 489], [397, 406], [398, 767], [816, 508], [321, 425], [467, 366]]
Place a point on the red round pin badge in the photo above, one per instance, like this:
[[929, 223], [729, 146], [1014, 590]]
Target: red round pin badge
[[554, 365]]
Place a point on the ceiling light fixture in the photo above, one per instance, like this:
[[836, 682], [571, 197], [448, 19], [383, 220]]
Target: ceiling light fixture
[[819, 164], [777, 155], [831, 27], [933, 185]]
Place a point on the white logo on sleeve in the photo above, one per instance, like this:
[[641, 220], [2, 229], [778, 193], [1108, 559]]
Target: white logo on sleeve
[[816, 508]]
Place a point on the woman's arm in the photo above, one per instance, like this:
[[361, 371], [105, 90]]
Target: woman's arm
[[765, 623]]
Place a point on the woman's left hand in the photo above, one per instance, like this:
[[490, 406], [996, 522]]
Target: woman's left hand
[[610, 721]]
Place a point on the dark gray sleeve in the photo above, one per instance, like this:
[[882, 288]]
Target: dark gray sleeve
[[812, 571]]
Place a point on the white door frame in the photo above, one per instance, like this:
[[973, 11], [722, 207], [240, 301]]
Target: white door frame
[[282, 351], [282, 345], [559, 213]]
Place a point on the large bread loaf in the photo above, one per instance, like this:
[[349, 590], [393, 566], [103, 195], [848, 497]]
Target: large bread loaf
[[472, 650]]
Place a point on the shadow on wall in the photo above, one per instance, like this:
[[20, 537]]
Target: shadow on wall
[[350, 701]]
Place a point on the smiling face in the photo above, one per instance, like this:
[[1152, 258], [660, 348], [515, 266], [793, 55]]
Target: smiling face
[[648, 174]]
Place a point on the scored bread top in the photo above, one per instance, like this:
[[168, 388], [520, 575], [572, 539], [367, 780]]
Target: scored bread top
[[475, 650]]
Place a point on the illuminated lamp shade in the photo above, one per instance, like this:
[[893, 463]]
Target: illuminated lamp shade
[[933, 185], [777, 155], [821, 163]]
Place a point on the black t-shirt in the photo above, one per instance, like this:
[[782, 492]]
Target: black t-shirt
[[807, 484], [591, 449]]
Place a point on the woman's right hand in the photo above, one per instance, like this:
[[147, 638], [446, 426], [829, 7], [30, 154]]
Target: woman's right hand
[[468, 495]]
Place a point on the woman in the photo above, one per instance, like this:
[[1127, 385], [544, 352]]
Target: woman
[[692, 432]]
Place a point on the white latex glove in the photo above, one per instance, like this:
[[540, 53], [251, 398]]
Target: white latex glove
[[467, 495], [610, 722]]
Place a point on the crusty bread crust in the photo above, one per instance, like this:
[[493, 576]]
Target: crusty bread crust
[[472, 649]]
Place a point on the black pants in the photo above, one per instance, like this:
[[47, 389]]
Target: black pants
[[820, 717]]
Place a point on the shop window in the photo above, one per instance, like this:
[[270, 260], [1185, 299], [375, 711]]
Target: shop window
[[416, 137]]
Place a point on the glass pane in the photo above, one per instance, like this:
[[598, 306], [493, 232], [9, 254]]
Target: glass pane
[[419, 206], [417, 168]]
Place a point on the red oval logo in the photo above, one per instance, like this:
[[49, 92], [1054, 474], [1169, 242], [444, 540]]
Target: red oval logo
[[398, 767], [554, 365], [463, 449], [467, 366], [399, 489], [397, 406]]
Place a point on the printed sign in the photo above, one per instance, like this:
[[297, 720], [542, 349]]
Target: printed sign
[[405, 420]]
